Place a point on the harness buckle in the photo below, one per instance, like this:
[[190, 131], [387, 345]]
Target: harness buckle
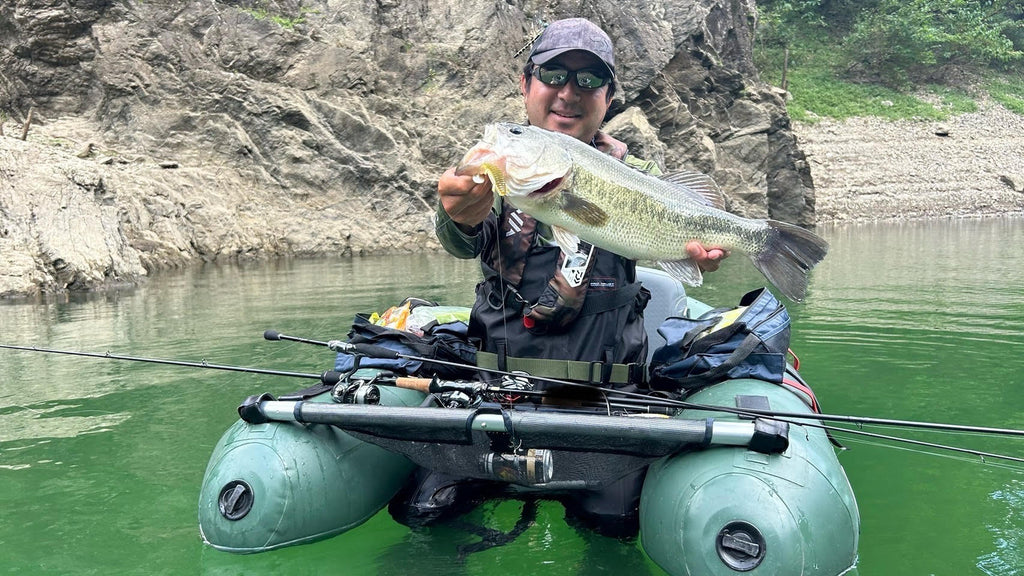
[[605, 374], [508, 297], [637, 373]]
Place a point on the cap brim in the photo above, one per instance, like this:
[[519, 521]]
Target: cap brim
[[547, 56]]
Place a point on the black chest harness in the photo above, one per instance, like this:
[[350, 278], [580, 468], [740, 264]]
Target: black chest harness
[[537, 304]]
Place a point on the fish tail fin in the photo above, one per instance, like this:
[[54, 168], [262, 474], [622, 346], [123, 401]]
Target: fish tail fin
[[787, 257]]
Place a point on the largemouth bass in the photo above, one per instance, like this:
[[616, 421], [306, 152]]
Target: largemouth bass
[[585, 194]]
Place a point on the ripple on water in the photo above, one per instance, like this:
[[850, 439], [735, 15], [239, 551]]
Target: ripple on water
[[21, 424], [1008, 535]]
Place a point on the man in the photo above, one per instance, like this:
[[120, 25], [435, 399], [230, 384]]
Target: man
[[530, 313], [525, 307]]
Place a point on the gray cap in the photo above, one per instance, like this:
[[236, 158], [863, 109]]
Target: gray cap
[[563, 36]]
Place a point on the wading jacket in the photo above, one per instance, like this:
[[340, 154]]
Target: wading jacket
[[527, 308]]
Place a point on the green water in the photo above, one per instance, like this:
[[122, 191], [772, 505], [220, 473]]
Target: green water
[[101, 461]]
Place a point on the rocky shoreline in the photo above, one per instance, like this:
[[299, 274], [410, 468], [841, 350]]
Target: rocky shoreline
[[166, 134], [874, 169], [864, 169], [171, 133]]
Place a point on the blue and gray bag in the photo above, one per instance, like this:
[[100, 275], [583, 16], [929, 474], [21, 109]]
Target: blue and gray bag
[[749, 341]]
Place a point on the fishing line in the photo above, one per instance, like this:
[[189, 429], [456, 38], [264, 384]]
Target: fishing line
[[501, 266], [954, 433], [854, 439], [529, 42], [501, 277]]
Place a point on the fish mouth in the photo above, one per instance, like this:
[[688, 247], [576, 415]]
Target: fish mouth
[[475, 158], [547, 188], [519, 167], [481, 161]]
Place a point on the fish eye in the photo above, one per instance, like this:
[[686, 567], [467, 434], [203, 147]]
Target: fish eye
[[516, 129]]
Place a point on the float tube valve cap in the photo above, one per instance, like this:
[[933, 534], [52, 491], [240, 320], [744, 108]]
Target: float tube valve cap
[[740, 546]]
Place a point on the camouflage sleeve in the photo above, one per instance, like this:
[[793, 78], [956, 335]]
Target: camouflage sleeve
[[454, 240]]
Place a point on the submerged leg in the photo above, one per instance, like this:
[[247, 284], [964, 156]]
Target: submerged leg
[[612, 511], [430, 497]]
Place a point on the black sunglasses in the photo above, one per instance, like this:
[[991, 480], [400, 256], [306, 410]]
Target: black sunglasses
[[558, 76]]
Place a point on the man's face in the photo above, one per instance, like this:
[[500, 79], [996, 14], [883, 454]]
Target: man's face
[[568, 109]]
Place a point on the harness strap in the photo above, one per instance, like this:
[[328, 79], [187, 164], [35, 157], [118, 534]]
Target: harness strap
[[501, 358], [597, 302], [566, 369], [501, 295]]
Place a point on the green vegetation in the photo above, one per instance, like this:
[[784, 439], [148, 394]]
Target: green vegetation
[[819, 91], [892, 58], [1008, 91], [261, 11]]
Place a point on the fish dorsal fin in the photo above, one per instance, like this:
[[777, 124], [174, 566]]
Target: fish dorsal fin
[[567, 241], [685, 270], [699, 185], [582, 210]]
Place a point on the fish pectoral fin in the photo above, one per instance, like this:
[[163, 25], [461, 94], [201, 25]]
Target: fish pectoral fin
[[567, 241], [685, 270], [698, 185], [583, 210]]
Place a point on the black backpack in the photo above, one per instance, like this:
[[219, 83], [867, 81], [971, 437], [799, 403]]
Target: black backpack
[[445, 342]]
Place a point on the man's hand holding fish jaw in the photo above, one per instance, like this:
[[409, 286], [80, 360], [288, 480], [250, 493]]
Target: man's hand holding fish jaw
[[707, 259], [466, 202]]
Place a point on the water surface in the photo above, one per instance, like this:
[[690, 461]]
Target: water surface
[[101, 461]]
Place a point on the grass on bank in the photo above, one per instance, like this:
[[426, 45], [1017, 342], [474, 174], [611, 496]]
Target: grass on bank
[[815, 82], [1008, 91]]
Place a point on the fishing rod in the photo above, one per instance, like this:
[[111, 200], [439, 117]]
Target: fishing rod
[[428, 385], [382, 352], [327, 377], [959, 449], [331, 377], [625, 400]]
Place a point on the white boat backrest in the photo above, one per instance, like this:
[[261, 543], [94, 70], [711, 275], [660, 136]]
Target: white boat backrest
[[668, 298]]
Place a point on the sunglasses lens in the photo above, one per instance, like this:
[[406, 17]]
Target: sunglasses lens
[[553, 76], [589, 80]]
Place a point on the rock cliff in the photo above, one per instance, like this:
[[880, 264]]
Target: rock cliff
[[167, 131]]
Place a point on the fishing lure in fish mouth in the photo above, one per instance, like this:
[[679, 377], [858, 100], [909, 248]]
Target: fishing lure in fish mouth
[[491, 171]]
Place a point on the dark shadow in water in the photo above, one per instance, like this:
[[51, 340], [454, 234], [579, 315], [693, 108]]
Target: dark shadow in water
[[449, 547], [491, 538]]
